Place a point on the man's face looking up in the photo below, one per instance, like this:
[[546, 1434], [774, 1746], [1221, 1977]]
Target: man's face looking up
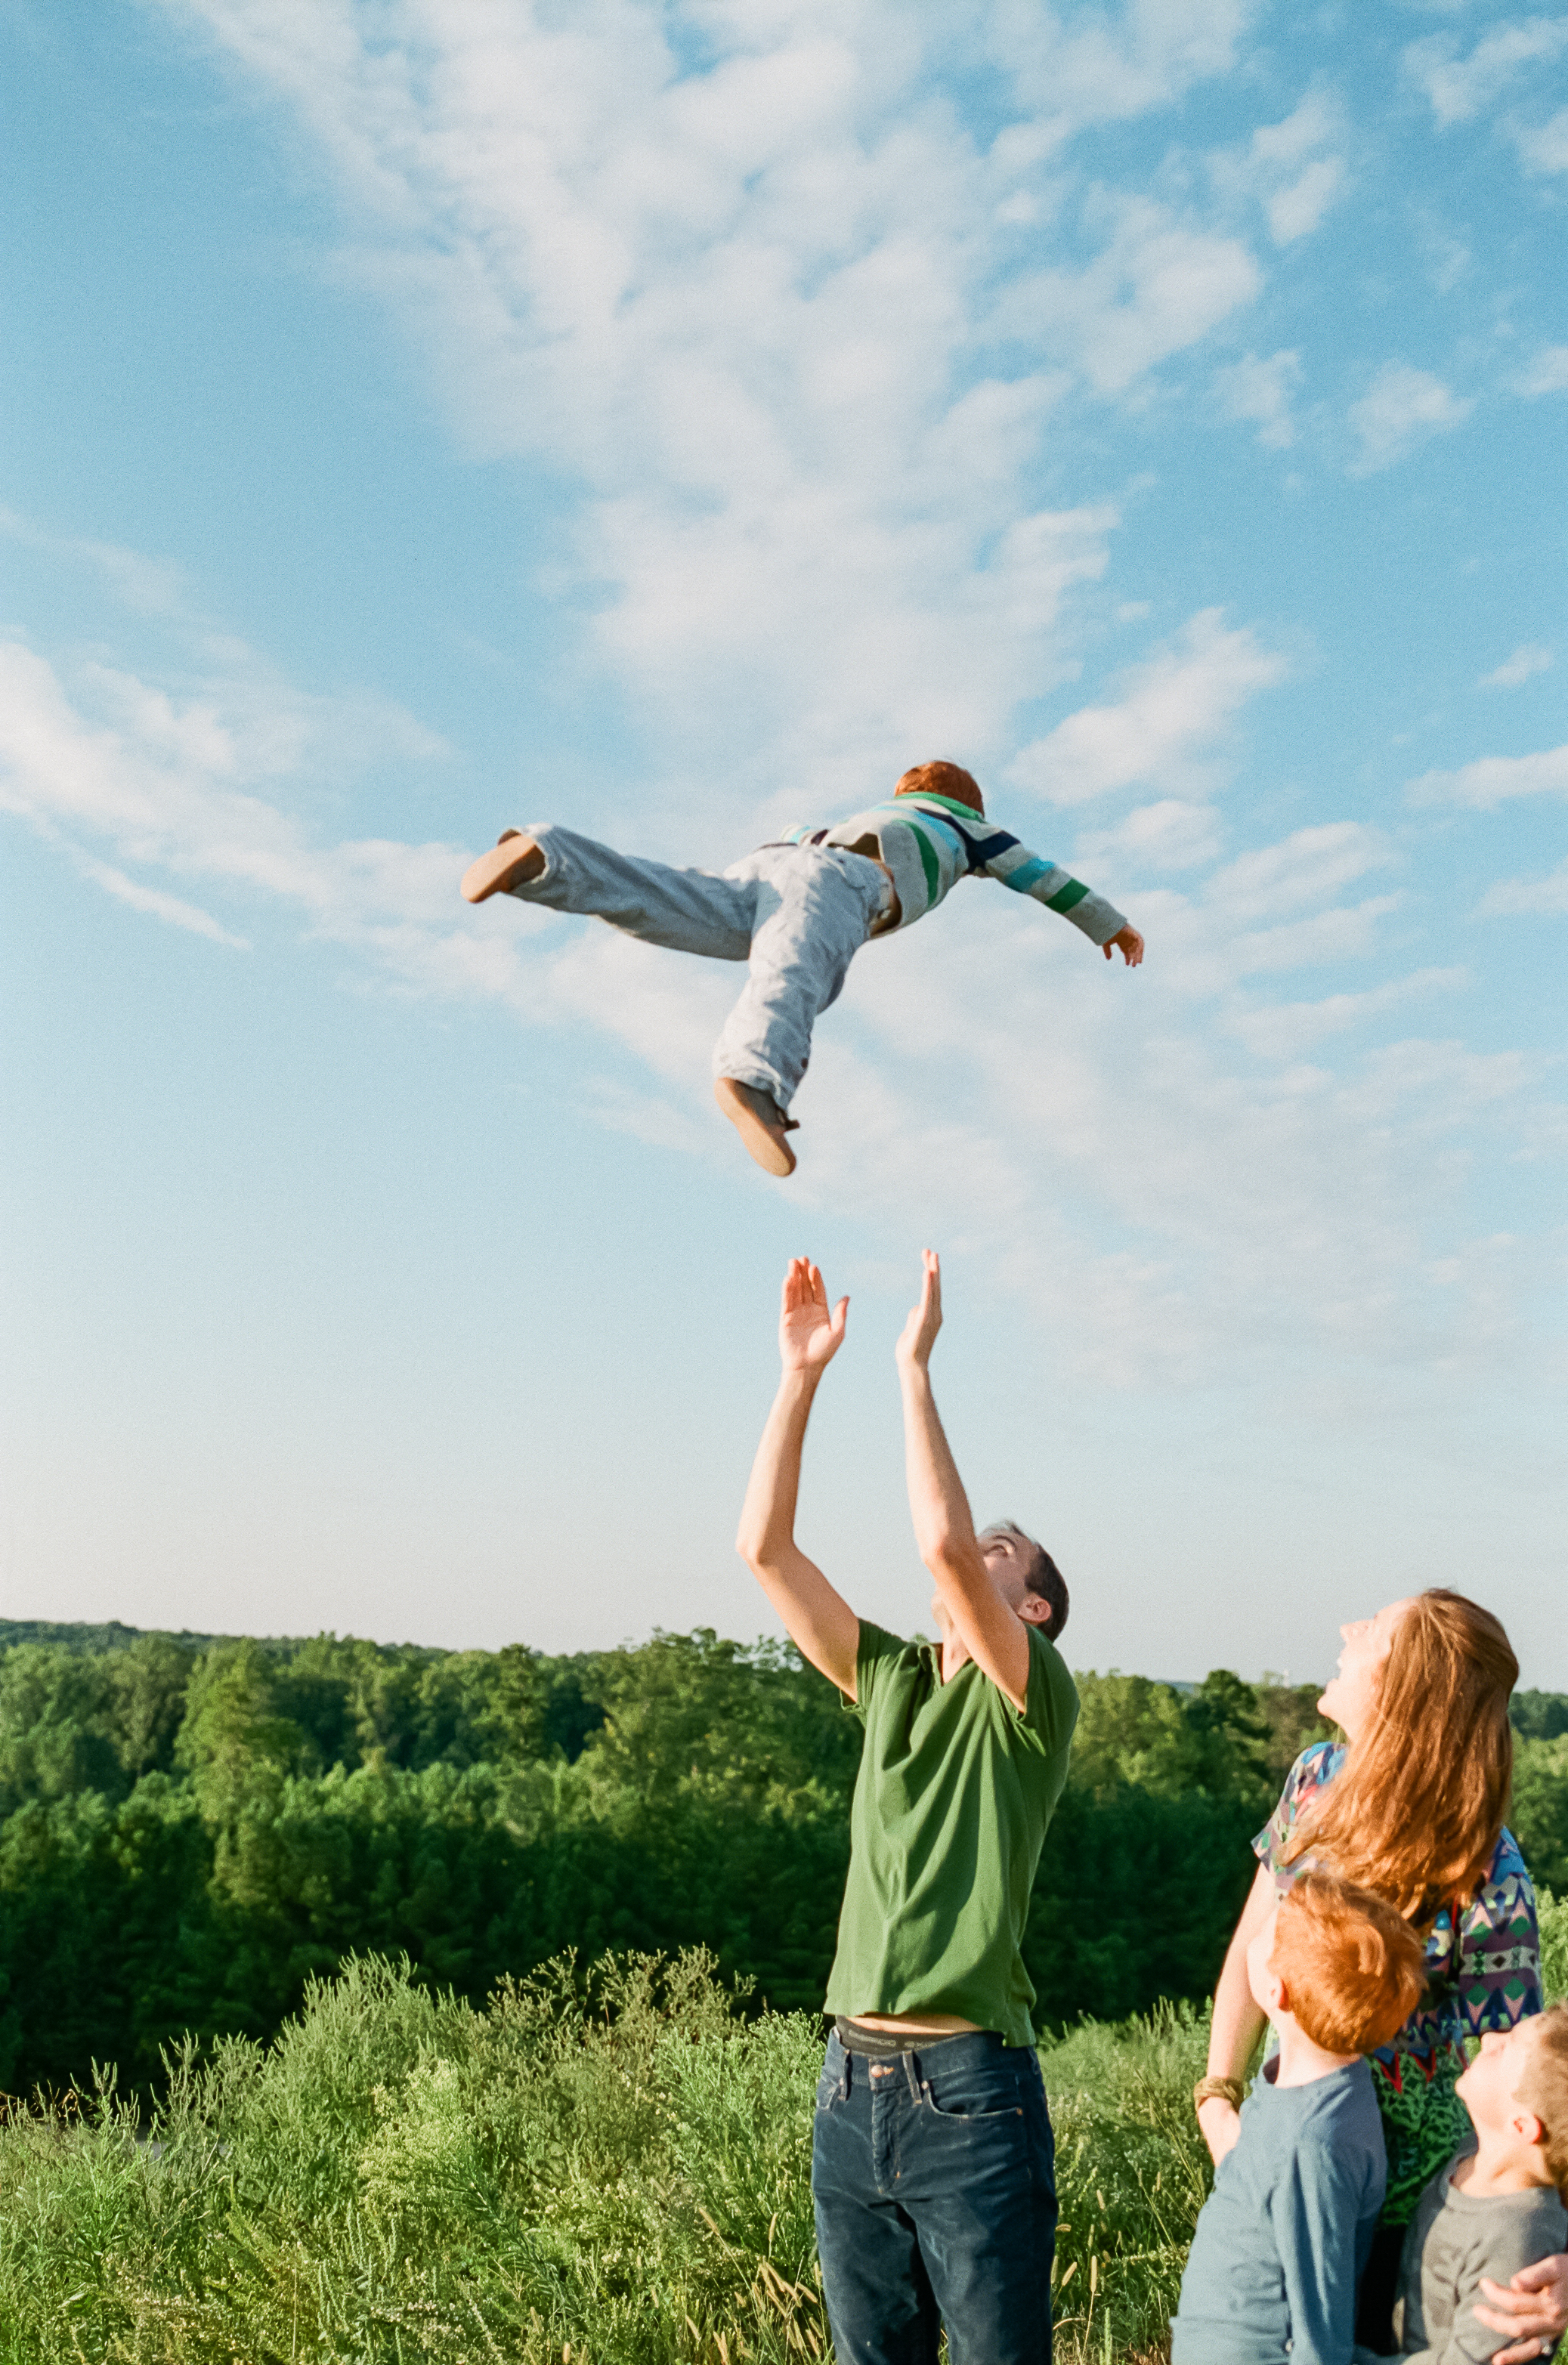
[[1008, 1559]]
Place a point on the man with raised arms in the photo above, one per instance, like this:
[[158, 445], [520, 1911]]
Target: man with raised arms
[[932, 2168]]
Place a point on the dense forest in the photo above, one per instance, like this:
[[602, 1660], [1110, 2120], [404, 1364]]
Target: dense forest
[[192, 1826]]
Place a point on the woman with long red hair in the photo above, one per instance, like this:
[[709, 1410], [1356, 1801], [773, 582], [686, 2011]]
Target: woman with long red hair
[[1411, 1805]]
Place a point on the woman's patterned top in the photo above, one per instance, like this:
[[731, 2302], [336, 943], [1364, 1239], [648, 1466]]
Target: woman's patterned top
[[1485, 1976]]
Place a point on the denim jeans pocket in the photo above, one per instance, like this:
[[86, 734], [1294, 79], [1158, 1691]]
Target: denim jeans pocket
[[993, 2091], [830, 2085]]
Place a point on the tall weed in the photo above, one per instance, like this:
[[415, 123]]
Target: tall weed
[[603, 2168]]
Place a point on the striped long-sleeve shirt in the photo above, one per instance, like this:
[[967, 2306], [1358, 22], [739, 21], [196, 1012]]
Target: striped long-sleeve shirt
[[930, 843]]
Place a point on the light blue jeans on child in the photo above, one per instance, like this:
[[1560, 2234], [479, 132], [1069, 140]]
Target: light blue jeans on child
[[796, 915]]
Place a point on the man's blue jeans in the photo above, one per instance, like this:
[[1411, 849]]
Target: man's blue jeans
[[936, 2203]]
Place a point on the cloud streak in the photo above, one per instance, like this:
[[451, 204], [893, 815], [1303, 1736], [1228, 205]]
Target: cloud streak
[[1401, 409], [1493, 781], [1162, 730]]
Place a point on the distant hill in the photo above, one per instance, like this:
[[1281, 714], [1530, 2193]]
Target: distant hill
[[64, 1635], [1537, 1715]]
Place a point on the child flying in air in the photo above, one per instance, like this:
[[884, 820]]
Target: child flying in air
[[797, 910]]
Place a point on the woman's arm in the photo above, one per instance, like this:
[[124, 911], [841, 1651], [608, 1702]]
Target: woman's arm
[[1237, 2023], [1511, 2249], [1531, 2315]]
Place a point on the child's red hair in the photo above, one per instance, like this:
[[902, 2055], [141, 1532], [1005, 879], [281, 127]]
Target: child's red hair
[[942, 781], [1352, 1968]]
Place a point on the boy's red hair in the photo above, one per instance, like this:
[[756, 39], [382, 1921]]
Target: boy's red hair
[[1353, 1968], [942, 781]]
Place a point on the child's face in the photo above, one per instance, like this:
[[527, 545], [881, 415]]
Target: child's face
[[1490, 2087]]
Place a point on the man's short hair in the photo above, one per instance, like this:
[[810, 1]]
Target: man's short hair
[[1354, 1969], [942, 781], [1042, 1577], [1543, 2088]]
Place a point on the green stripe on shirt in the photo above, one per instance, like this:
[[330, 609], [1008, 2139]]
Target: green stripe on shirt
[[1073, 892], [928, 861]]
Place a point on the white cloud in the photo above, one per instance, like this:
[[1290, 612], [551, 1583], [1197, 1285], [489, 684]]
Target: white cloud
[[1461, 88], [1285, 1030], [746, 308], [1308, 867], [1526, 660], [1157, 286], [1282, 168], [1516, 898], [1177, 704], [1262, 390], [1347, 933], [1090, 69], [171, 909], [1493, 781], [1544, 146], [1153, 840], [1296, 211], [179, 787], [1238, 1213], [1402, 408], [151, 587], [1547, 374]]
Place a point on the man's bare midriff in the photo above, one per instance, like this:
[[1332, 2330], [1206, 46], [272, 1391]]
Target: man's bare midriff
[[916, 2023]]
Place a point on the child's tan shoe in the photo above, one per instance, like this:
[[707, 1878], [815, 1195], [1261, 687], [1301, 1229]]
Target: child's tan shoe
[[509, 861], [759, 1123]]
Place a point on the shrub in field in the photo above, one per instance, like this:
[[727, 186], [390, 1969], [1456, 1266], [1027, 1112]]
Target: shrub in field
[[610, 2168], [1554, 1945], [601, 2169]]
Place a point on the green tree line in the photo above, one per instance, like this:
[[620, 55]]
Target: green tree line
[[192, 1827]]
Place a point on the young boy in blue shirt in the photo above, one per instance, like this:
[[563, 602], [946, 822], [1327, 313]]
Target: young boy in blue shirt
[[1281, 2240]]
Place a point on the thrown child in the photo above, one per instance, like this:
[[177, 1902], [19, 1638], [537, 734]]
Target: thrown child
[[797, 910], [1497, 2207], [1283, 2238]]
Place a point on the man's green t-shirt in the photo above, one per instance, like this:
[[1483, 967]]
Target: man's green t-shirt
[[955, 1791]]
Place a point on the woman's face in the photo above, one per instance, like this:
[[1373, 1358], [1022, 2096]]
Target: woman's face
[[1349, 1699]]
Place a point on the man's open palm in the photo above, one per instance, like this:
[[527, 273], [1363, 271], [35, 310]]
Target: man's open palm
[[919, 1335], [808, 1336]]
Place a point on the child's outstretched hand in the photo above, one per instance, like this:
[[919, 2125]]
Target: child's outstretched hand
[[1131, 944], [808, 1336]]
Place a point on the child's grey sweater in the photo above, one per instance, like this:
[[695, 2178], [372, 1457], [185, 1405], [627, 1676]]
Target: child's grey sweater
[[1284, 2235], [1455, 2240]]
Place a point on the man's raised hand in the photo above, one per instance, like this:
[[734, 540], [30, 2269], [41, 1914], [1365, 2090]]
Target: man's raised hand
[[1130, 944], [808, 1336], [919, 1334]]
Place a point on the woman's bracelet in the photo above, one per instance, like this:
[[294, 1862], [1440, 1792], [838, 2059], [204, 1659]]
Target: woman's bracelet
[[1219, 2090]]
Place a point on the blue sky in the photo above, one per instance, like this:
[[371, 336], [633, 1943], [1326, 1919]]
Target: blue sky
[[421, 417]]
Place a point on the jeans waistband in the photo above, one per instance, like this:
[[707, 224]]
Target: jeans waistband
[[882, 2045], [964, 2048]]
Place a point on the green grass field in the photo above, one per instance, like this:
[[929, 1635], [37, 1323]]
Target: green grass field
[[600, 2170]]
